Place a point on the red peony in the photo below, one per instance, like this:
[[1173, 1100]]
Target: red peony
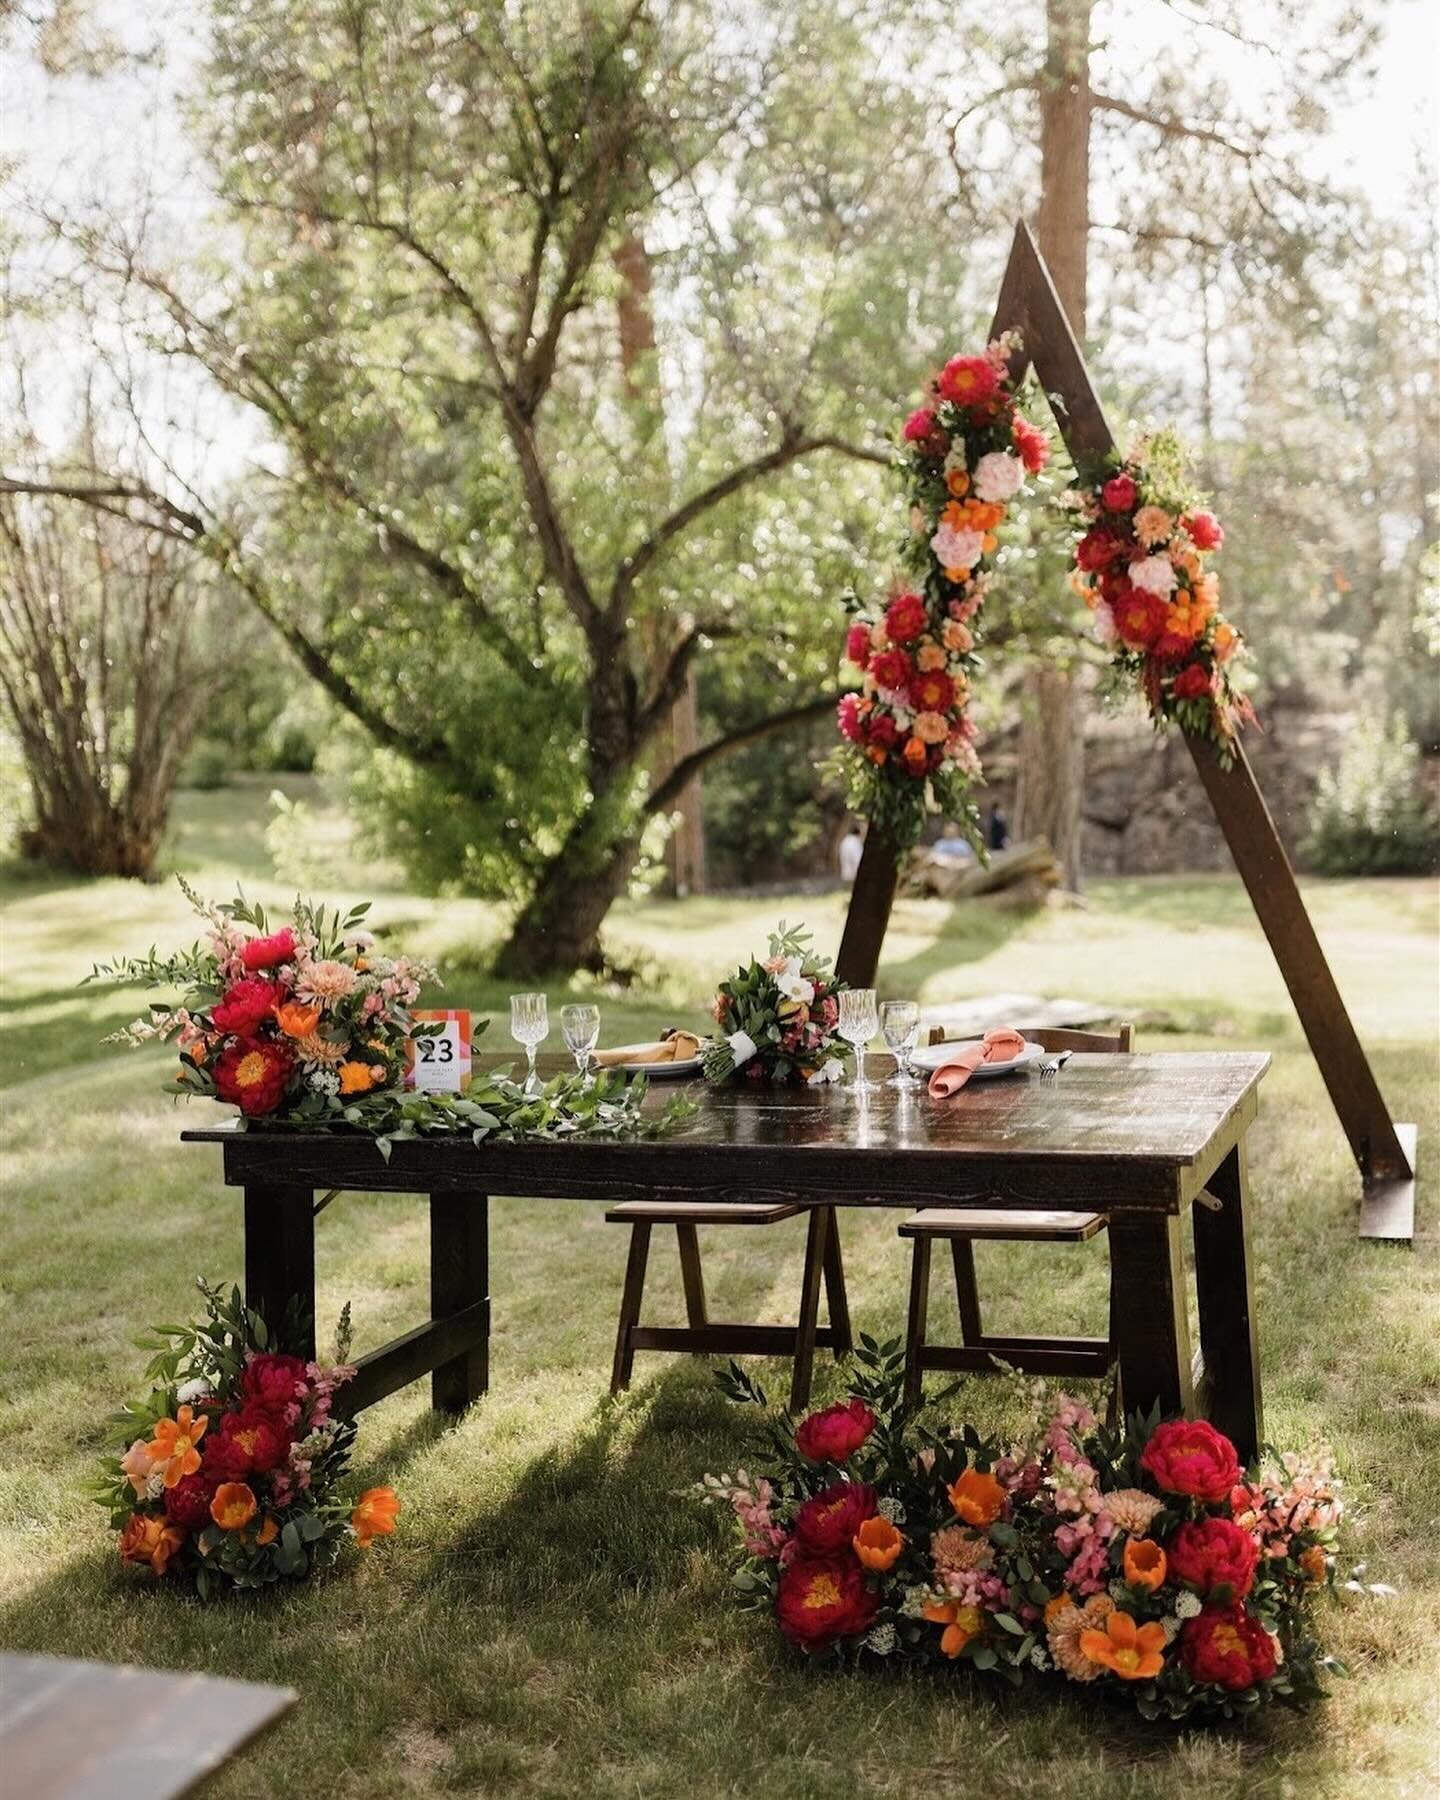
[[857, 644], [825, 1524], [1031, 442], [1139, 618], [848, 714], [274, 1380], [882, 729], [924, 430], [932, 690], [835, 1434], [246, 1006], [1206, 532], [1120, 493], [1097, 550], [265, 952], [1193, 683], [1189, 1456], [1225, 1645], [187, 1504], [252, 1441], [253, 1074], [892, 669], [905, 618], [820, 1599], [968, 380], [1211, 1554]]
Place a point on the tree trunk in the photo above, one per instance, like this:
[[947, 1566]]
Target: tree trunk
[[1052, 726], [558, 928]]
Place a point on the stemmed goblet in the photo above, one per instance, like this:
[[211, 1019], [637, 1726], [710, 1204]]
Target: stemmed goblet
[[900, 1027], [530, 1026], [857, 1026], [581, 1026]]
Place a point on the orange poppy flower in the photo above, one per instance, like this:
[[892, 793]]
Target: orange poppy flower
[[961, 1624], [958, 482], [269, 1530], [1132, 1652], [877, 1543], [234, 1505], [295, 1020], [977, 1497], [374, 1515], [148, 1539], [1145, 1563], [355, 1077], [174, 1444]]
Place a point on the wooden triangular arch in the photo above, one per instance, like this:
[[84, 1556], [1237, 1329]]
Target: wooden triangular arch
[[1384, 1151]]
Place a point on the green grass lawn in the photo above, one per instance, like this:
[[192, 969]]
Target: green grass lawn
[[551, 1620]]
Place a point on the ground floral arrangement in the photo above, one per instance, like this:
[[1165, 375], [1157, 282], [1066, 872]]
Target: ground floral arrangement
[[909, 738], [310, 1026], [1144, 1564], [233, 1479], [777, 1018], [1140, 567]]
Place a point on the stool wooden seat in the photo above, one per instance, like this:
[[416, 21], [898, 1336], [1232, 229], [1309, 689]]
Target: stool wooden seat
[[704, 1336], [964, 1226]]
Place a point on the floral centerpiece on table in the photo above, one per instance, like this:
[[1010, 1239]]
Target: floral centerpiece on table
[[1144, 1564], [777, 1018], [235, 1459], [1140, 566], [909, 738], [308, 1026]]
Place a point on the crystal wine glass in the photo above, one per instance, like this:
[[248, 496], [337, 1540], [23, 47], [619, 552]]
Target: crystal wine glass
[[900, 1027], [581, 1026], [530, 1026], [857, 1027]]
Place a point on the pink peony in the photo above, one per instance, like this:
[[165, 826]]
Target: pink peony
[[1206, 532], [1120, 493], [857, 644], [905, 618]]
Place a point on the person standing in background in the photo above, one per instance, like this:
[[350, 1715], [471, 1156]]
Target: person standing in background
[[851, 846], [997, 828]]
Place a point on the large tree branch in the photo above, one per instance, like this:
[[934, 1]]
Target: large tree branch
[[115, 497], [674, 784], [1169, 126], [670, 683], [791, 447]]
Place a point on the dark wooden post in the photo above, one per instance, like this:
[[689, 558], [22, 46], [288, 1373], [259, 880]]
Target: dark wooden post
[[1384, 1151], [460, 1279], [280, 1258], [1225, 1291]]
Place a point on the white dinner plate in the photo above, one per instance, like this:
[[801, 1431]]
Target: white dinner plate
[[665, 1071], [935, 1056]]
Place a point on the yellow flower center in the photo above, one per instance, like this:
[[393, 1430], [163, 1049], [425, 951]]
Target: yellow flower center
[[1127, 1659], [250, 1069], [824, 1590], [1228, 1640]]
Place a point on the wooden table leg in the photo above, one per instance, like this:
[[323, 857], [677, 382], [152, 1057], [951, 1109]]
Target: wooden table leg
[[280, 1261], [1225, 1287], [816, 1237], [1152, 1332], [460, 1278]]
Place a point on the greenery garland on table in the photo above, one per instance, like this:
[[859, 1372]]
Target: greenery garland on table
[[308, 1028], [1140, 568], [233, 1461], [909, 740], [1144, 1564]]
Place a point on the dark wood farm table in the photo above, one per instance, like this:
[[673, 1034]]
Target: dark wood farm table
[[1144, 1139]]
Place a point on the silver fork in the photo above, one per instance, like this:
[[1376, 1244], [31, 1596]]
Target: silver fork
[[1051, 1066]]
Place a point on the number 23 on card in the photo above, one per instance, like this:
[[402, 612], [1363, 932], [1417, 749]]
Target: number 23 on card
[[439, 1062]]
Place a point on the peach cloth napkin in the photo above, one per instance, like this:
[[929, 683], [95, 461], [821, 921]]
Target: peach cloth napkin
[[676, 1046], [999, 1046]]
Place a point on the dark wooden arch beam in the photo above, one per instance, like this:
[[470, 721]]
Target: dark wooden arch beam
[[1384, 1151]]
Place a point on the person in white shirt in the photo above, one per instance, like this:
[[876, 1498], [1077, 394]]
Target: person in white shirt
[[851, 845]]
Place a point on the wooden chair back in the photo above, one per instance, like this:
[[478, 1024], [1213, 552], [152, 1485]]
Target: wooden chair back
[[1120, 1042]]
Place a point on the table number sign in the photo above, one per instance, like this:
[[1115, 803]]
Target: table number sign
[[439, 1063]]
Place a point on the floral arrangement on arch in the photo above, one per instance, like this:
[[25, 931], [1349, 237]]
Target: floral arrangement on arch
[[1140, 568], [233, 1479], [309, 1027], [1144, 1564], [777, 1018], [909, 738]]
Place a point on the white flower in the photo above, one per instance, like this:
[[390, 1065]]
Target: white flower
[[998, 476], [1104, 624], [1171, 1627], [890, 1508], [957, 549], [1040, 1656], [881, 1639], [1188, 1605], [323, 1081], [915, 1601], [742, 1047], [155, 1484], [195, 1389], [1156, 574], [792, 984], [828, 1071]]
